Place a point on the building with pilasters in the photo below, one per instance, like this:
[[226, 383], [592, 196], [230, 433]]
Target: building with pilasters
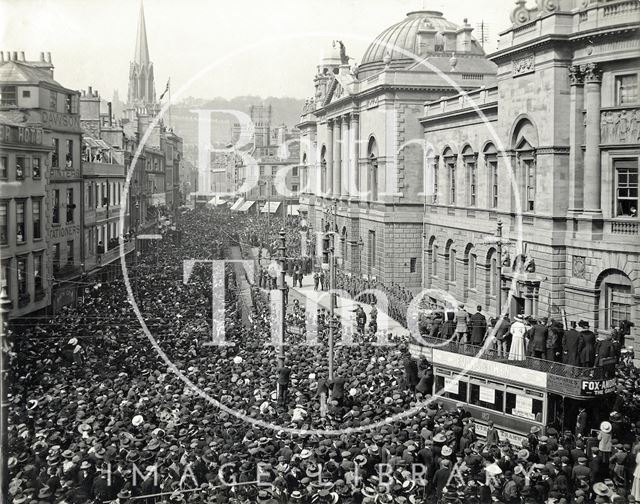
[[361, 145], [555, 156]]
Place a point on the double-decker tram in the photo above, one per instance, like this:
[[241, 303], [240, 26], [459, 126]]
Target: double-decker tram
[[515, 394]]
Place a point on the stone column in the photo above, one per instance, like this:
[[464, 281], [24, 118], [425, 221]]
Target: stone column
[[354, 172], [576, 140], [592, 169], [345, 168], [337, 156], [328, 181]]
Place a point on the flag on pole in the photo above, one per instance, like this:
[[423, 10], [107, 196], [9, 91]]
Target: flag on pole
[[166, 89]]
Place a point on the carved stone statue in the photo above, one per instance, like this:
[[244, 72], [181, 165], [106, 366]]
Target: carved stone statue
[[344, 59]]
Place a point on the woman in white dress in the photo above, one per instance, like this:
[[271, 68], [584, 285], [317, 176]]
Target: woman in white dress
[[517, 330], [635, 488]]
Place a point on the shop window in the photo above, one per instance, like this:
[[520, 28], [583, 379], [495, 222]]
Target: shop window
[[55, 211], [70, 253], [55, 155], [70, 205], [56, 257], [37, 274], [69, 155], [4, 167], [20, 167], [23, 287]]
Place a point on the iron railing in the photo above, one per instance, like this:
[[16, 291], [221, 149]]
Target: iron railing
[[528, 362]]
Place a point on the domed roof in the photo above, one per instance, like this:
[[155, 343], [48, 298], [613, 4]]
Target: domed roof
[[401, 40]]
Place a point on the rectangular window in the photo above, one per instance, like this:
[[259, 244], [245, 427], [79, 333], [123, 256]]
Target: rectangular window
[[8, 95], [626, 89], [486, 397], [452, 183], [26, 93], [4, 223], [523, 406], [96, 201], [56, 257], [262, 171], [36, 167], [372, 251], [435, 180], [69, 155], [294, 188], [70, 252], [36, 214], [70, 205], [451, 390], [37, 273], [4, 167], [273, 191], [53, 101], [529, 166], [21, 231], [56, 206], [55, 155], [6, 276], [493, 170], [412, 264], [21, 264], [68, 102], [472, 271], [20, 167], [294, 171], [472, 181], [619, 298], [626, 173]]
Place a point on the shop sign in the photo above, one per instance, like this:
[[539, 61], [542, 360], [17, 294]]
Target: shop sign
[[20, 135], [62, 232], [512, 437], [59, 121], [421, 352]]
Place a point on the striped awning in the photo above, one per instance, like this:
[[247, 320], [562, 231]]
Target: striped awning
[[237, 204], [246, 206], [271, 207]]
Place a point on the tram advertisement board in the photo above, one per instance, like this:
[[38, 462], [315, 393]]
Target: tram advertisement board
[[597, 387]]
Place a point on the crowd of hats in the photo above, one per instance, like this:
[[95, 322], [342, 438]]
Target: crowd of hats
[[90, 392]]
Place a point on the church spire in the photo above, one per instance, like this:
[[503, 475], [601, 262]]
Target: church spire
[[141, 55]]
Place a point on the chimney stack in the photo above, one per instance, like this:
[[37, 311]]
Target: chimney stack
[[42, 56], [110, 118], [15, 55], [22, 56], [1, 56], [48, 57], [90, 91]]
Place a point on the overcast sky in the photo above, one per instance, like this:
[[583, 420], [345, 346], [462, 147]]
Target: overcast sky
[[269, 47]]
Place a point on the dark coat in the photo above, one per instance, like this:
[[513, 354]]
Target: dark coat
[[572, 345], [604, 350], [588, 351], [478, 328], [538, 335]]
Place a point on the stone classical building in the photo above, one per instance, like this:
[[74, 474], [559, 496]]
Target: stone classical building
[[361, 145], [542, 135], [555, 156]]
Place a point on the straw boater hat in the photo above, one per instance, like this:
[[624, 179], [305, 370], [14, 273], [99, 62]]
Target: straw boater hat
[[605, 427]]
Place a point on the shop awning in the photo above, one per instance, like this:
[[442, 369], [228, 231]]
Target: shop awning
[[216, 201], [293, 209], [246, 206], [237, 204], [271, 207]]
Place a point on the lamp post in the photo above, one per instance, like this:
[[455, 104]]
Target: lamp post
[[283, 288], [5, 308], [331, 211], [498, 241]]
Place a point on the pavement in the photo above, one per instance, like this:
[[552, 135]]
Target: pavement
[[344, 305]]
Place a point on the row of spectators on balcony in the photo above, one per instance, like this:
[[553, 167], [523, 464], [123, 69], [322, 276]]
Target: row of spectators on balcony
[[543, 338]]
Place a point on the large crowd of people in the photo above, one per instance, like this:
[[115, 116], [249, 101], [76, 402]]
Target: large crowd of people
[[97, 414]]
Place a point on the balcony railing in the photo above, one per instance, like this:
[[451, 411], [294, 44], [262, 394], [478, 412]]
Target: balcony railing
[[114, 253], [532, 363], [624, 227]]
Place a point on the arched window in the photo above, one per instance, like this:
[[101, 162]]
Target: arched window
[[323, 170], [615, 298], [471, 263], [492, 271], [439, 41], [372, 163], [344, 250], [471, 174], [490, 154], [525, 142], [450, 262], [450, 161]]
